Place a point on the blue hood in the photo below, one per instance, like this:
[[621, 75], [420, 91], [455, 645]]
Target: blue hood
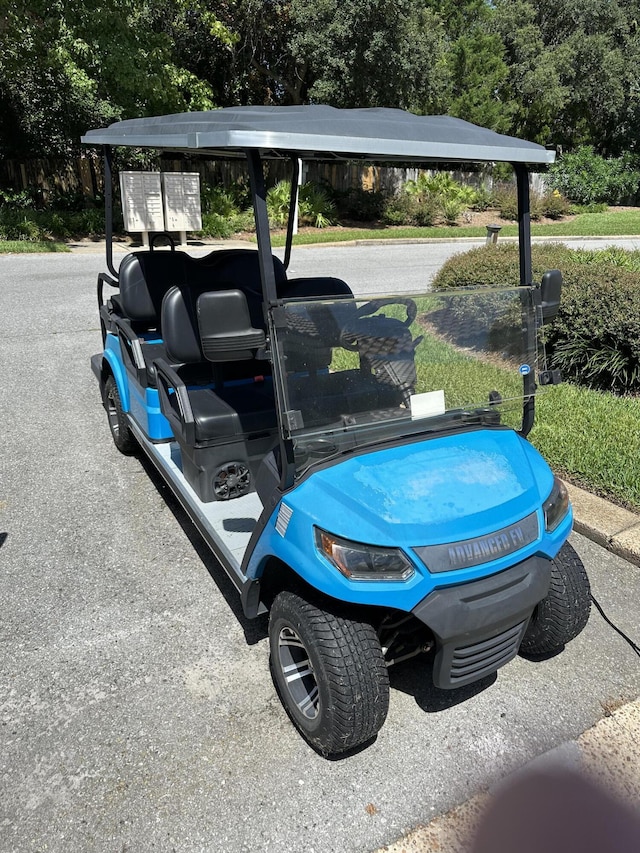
[[430, 492]]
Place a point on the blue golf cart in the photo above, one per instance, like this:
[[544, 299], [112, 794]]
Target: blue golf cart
[[359, 466]]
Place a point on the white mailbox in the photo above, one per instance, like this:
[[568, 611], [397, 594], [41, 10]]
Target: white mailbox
[[142, 207], [167, 201], [182, 201]]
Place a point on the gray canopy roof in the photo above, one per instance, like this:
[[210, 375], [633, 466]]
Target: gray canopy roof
[[321, 132]]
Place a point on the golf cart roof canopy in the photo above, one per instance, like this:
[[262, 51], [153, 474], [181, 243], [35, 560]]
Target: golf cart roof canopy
[[322, 133]]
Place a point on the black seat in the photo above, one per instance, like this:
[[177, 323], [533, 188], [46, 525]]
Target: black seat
[[229, 423], [146, 277]]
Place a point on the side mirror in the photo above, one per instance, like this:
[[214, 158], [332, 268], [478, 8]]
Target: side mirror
[[550, 291]]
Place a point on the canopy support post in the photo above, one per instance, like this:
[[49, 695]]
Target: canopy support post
[[259, 201], [108, 208], [526, 280], [292, 221]]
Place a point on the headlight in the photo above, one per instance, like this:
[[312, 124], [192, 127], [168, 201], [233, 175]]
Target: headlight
[[556, 505], [363, 562]]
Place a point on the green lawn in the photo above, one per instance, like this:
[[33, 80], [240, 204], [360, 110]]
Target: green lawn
[[607, 224], [593, 438], [23, 247]]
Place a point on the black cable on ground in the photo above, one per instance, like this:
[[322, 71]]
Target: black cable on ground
[[633, 645]]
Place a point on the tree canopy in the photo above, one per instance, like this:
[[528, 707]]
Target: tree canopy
[[560, 72]]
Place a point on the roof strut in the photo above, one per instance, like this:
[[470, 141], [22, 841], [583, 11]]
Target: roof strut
[[526, 279], [293, 202], [108, 208], [259, 200]]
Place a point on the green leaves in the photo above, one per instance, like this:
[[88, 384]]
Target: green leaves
[[587, 178], [595, 339]]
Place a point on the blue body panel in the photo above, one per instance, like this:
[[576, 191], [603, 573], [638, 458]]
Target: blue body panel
[[145, 408], [143, 404], [438, 491], [113, 358]]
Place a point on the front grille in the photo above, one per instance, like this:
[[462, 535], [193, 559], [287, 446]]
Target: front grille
[[469, 663]]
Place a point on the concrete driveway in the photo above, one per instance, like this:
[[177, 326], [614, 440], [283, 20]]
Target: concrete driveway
[[136, 704]]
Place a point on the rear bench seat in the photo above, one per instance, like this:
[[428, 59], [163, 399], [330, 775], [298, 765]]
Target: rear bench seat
[[134, 314]]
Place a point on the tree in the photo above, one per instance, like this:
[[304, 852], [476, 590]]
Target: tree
[[370, 52], [68, 66], [572, 70], [534, 84], [478, 73]]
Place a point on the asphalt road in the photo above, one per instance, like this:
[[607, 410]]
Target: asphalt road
[[136, 704]]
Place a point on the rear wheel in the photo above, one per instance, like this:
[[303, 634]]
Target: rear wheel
[[330, 673], [562, 615], [120, 432]]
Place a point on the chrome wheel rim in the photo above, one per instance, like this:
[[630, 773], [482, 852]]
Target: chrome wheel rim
[[297, 673], [112, 415]]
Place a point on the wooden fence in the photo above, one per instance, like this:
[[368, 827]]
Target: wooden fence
[[85, 175]]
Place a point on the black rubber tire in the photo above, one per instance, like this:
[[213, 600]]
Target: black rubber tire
[[120, 432], [345, 662], [562, 615]]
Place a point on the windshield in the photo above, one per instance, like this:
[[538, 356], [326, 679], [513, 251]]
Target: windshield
[[354, 372]]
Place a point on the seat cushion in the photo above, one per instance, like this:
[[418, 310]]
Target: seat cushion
[[233, 412]]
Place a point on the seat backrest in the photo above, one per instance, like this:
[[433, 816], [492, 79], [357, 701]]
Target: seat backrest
[[144, 278], [226, 270], [239, 268], [317, 286]]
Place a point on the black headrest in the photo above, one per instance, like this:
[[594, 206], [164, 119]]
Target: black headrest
[[226, 333], [180, 325]]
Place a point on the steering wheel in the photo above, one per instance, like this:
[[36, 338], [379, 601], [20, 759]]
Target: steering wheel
[[376, 304]]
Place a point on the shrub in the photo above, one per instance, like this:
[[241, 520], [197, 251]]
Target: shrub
[[218, 200], [505, 198], [551, 204], [498, 266], [17, 199], [554, 205], [315, 207], [586, 178], [483, 199], [595, 339], [452, 209], [405, 209], [219, 226], [216, 225], [360, 205], [21, 225], [443, 196]]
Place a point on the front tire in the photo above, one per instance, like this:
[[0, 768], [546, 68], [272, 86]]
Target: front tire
[[120, 432], [562, 615], [329, 672]]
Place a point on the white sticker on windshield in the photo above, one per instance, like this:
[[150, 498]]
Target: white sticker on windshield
[[428, 404]]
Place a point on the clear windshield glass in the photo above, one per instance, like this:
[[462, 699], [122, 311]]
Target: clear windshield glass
[[355, 372]]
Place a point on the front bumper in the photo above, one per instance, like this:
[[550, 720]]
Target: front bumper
[[479, 625]]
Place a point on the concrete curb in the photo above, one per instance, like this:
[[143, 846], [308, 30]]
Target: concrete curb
[[608, 754], [99, 246], [611, 526]]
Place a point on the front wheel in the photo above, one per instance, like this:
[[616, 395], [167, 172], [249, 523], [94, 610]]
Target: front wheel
[[329, 672], [562, 615]]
